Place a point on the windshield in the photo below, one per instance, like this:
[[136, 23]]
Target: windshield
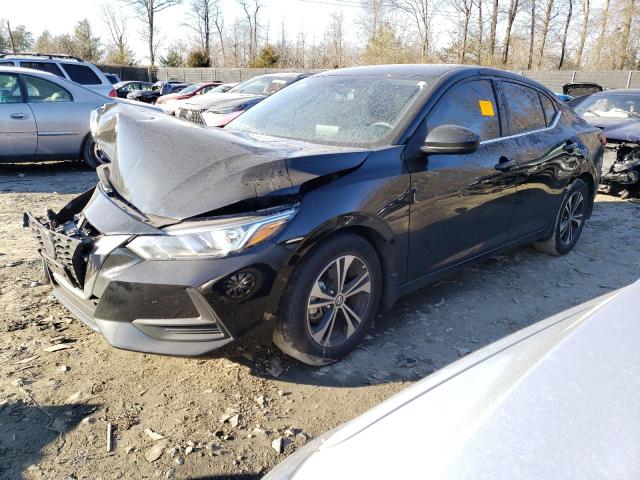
[[263, 85], [614, 105], [190, 89], [336, 110]]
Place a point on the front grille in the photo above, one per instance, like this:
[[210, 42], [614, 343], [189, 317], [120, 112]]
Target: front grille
[[191, 115], [67, 254]]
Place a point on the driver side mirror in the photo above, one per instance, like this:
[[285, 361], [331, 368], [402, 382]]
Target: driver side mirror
[[451, 139]]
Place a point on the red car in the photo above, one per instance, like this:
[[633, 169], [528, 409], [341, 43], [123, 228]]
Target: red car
[[196, 89]]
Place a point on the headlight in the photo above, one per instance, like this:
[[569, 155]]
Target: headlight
[[224, 111], [210, 239]]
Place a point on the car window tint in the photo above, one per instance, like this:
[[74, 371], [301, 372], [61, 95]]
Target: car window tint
[[6, 64], [44, 66], [471, 105], [549, 108], [525, 109], [9, 89], [81, 74], [41, 90]]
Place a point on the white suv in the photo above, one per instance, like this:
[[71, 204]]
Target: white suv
[[65, 66]]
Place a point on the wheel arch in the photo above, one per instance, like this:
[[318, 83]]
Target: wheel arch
[[374, 230]]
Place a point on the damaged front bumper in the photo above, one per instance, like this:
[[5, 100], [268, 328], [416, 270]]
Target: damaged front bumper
[[175, 307]]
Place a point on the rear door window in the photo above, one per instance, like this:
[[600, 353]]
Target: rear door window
[[43, 66], [41, 90], [549, 108], [6, 64], [469, 104], [525, 108], [9, 89], [81, 74]]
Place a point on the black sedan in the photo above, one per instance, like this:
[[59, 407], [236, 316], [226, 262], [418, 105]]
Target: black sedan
[[125, 88], [327, 200]]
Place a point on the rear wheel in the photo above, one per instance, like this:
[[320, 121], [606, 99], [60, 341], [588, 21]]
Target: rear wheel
[[91, 154], [569, 221], [331, 299]]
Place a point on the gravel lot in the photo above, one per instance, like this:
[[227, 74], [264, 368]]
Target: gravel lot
[[55, 405]]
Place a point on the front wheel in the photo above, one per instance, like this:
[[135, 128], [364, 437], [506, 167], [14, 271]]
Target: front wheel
[[569, 221], [332, 297], [91, 154]]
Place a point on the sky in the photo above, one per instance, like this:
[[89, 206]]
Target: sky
[[60, 16]]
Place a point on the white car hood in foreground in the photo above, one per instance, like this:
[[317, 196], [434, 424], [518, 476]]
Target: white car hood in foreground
[[560, 399]]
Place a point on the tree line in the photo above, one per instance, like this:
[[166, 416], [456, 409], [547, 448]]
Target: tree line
[[516, 34]]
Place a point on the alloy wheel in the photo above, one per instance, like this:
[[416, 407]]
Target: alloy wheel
[[572, 218], [339, 300]]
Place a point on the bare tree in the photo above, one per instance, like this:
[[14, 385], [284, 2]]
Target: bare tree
[[201, 14], [492, 32], [563, 45], [117, 28], [544, 31], [511, 16], [480, 32], [146, 11], [421, 12], [251, 9], [627, 19], [532, 33], [586, 9], [603, 28], [218, 21], [334, 41]]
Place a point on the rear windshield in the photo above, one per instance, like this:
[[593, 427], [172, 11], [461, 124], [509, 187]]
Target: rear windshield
[[337, 110], [265, 85], [81, 74], [613, 105]]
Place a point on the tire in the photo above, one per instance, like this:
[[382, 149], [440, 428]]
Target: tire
[[323, 333], [90, 154], [569, 221]]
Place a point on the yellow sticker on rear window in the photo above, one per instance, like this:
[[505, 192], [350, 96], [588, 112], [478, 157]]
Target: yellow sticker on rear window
[[486, 108]]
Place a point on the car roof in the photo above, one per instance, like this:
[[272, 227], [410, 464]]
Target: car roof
[[409, 70], [33, 71], [617, 91]]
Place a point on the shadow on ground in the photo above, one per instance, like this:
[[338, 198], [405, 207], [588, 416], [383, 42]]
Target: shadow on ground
[[26, 431], [472, 308], [46, 177]]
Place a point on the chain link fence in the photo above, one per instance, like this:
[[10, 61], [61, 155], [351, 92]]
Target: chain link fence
[[553, 79]]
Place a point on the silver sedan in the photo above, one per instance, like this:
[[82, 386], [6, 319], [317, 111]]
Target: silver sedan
[[557, 400], [45, 117]]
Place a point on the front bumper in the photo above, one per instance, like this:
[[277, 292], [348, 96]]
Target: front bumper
[[180, 307]]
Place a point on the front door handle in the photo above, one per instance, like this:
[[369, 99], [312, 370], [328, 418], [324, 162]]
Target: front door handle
[[570, 146], [19, 116], [505, 164]]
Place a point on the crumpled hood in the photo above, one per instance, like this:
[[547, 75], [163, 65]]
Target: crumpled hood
[[172, 169], [623, 129], [208, 100]]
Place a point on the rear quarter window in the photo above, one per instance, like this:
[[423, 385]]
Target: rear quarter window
[[81, 74], [549, 108]]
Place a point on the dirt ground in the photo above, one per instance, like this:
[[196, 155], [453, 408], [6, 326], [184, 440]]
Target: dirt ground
[[55, 405]]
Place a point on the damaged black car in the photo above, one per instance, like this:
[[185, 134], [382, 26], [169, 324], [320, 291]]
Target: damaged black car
[[617, 114], [327, 200]]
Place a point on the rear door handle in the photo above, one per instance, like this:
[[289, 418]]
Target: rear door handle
[[570, 146], [504, 164], [19, 116]]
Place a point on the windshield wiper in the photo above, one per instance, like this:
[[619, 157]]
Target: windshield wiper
[[591, 111]]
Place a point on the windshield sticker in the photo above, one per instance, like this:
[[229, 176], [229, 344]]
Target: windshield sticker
[[486, 108], [327, 130]]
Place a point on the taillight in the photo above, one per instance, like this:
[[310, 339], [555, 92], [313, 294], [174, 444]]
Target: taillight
[[113, 93]]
